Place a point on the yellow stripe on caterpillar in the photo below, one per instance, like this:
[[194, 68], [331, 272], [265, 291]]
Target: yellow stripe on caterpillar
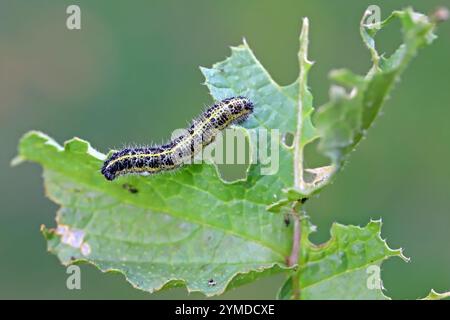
[[171, 155]]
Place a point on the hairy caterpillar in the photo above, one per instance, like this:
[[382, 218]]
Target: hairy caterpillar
[[202, 131]]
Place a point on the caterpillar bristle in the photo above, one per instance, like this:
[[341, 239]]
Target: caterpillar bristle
[[173, 154]]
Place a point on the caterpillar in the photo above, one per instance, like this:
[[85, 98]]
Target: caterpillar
[[201, 132]]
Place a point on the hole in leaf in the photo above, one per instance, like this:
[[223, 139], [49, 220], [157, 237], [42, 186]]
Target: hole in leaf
[[389, 38], [313, 158], [288, 139], [232, 156]]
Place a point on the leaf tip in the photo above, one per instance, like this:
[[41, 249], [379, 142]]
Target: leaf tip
[[29, 142], [80, 146], [433, 295], [48, 233], [304, 30], [244, 42], [17, 160], [76, 145]]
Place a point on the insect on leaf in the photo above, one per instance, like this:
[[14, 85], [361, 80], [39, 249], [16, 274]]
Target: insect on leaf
[[192, 228]]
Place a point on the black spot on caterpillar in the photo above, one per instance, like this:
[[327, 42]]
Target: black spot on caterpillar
[[202, 131]]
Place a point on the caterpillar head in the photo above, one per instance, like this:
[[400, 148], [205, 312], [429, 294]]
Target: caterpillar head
[[240, 107]]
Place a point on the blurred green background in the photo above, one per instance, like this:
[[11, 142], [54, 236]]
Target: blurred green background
[[131, 75]]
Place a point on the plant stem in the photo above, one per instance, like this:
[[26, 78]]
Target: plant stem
[[299, 182], [298, 148], [293, 258]]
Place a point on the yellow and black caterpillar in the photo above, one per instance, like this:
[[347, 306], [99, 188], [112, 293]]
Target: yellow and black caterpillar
[[202, 131]]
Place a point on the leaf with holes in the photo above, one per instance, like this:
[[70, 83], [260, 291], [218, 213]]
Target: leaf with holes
[[345, 267], [185, 228], [356, 100], [194, 229]]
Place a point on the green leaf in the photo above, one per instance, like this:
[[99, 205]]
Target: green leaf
[[355, 100], [185, 228], [433, 295], [118, 228], [345, 267], [192, 228], [287, 109], [189, 228]]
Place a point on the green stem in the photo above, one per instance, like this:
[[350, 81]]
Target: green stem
[[295, 252], [298, 148], [299, 182]]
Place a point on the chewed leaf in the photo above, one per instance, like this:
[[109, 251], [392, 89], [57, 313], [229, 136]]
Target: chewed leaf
[[433, 295], [188, 227], [146, 231], [355, 101], [345, 267], [194, 229]]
